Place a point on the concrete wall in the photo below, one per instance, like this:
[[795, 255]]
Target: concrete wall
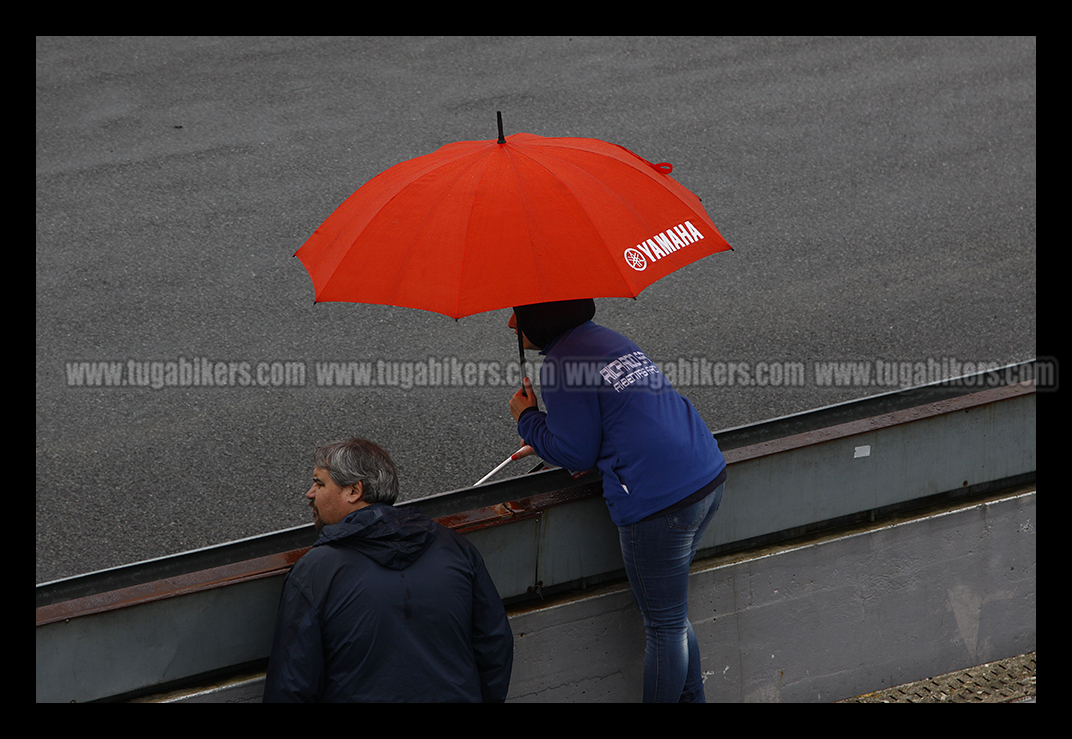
[[818, 622], [815, 622], [162, 622]]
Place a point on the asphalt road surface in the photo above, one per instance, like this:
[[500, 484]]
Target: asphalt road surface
[[879, 194]]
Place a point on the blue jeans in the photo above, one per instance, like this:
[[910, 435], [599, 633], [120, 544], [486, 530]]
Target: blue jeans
[[657, 555]]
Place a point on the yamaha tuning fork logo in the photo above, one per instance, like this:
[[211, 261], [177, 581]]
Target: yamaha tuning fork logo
[[659, 245], [636, 260]]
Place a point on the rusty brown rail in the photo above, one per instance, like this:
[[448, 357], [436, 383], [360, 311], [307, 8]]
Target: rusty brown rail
[[498, 514]]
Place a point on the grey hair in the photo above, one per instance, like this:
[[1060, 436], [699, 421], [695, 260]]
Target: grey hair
[[354, 460]]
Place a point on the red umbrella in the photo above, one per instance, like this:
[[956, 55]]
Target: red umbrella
[[481, 225]]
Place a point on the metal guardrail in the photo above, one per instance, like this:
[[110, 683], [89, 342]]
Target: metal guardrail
[[125, 630]]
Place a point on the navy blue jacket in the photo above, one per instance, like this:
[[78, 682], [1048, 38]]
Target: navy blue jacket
[[389, 606], [609, 406]]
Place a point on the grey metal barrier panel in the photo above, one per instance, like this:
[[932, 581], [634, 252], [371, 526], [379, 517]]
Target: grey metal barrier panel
[[555, 539], [780, 488], [830, 474], [821, 620]]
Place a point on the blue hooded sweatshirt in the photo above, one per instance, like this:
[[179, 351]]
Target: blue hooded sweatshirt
[[388, 606], [609, 406]]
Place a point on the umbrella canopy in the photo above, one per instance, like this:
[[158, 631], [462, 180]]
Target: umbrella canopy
[[481, 225]]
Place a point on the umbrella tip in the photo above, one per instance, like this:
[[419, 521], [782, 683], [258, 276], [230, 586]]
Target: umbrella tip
[[502, 139]]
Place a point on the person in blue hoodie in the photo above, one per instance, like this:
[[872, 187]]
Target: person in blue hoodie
[[608, 406], [387, 606]]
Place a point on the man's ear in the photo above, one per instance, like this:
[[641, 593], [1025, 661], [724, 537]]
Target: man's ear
[[357, 492]]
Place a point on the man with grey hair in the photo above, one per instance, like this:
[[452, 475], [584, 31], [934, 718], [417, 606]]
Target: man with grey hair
[[387, 606]]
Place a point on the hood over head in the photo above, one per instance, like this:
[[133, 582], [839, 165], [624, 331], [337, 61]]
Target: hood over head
[[543, 322], [392, 537]]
